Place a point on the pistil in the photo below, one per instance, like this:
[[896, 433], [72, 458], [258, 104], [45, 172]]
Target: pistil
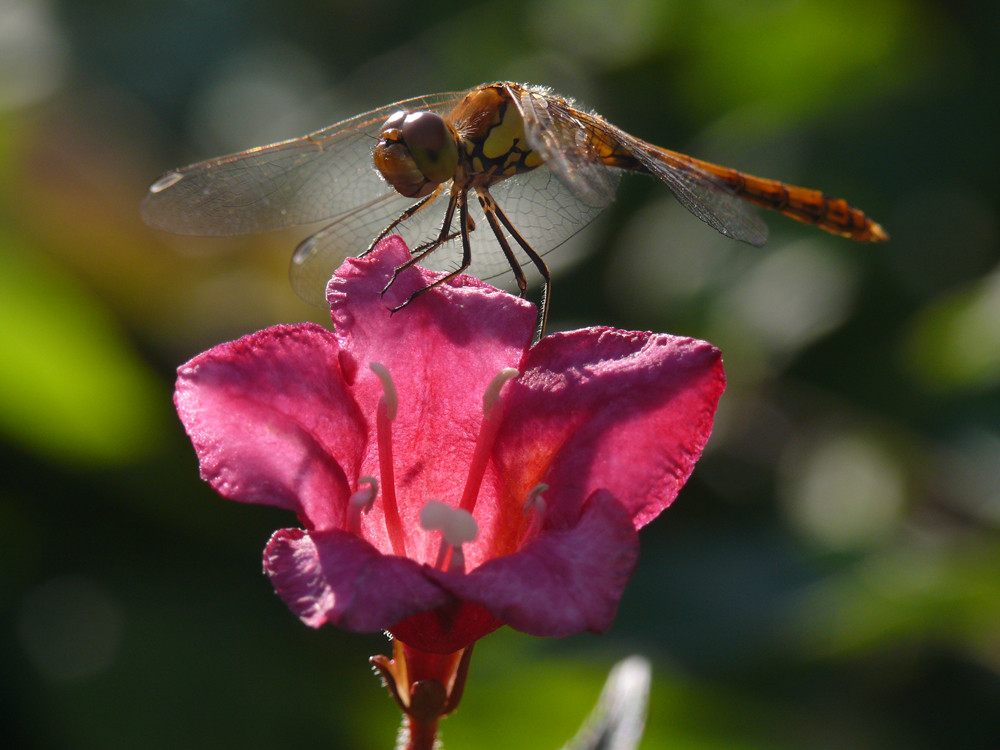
[[457, 527]]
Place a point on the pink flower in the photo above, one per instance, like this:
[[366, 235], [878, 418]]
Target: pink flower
[[588, 438]]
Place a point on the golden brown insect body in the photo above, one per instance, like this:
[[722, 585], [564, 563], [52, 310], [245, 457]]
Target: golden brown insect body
[[524, 143]]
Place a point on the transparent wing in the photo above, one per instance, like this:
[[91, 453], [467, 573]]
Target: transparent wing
[[317, 257], [703, 194], [541, 207], [573, 142], [559, 134], [317, 177]]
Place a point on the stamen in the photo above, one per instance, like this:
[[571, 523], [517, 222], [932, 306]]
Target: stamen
[[535, 505], [457, 527], [361, 501], [390, 396], [535, 501], [492, 394], [492, 417], [386, 413]]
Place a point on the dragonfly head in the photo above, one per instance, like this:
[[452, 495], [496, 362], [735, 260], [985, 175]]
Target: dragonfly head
[[416, 152]]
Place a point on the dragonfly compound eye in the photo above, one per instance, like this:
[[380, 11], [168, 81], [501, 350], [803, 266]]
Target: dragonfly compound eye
[[396, 163], [432, 144]]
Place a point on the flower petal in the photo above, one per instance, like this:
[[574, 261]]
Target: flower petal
[[607, 409], [563, 581], [465, 312], [273, 421], [336, 577], [442, 350]]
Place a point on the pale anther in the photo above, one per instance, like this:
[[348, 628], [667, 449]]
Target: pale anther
[[360, 502], [534, 509], [492, 393], [457, 526], [535, 501], [388, 388], [364, 497]]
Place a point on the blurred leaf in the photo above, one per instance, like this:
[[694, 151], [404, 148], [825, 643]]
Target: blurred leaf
[[546, 696], [798, 57], [617, 721], [845, 488], [71, 387], [638, 27], [954, 343], [945, 592]]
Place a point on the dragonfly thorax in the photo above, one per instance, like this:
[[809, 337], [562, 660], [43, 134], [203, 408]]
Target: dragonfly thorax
[[416, 152], [492, 135]]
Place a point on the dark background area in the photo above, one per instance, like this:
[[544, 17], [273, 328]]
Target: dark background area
[[830, 578]]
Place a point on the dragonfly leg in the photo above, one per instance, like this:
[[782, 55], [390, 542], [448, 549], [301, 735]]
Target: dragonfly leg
[[427, 248], [422, 251], [408, 213], [489, 209], [543, 307], [463, 216]]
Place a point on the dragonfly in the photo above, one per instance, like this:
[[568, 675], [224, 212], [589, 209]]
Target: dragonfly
[[540, 169]]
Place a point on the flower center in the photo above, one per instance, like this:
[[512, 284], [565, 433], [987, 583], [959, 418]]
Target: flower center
[[456, 524]]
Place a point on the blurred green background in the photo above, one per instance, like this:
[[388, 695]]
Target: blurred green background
[[830, 578]]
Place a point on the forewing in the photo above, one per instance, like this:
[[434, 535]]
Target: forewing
[[541, 207], [314, 178]]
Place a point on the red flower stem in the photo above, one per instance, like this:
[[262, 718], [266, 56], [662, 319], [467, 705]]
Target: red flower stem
[[392, 523], [426, 686], [419, 736]]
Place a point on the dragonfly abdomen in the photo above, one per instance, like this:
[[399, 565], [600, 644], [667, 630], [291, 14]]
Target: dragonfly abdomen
[[802, 204]]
